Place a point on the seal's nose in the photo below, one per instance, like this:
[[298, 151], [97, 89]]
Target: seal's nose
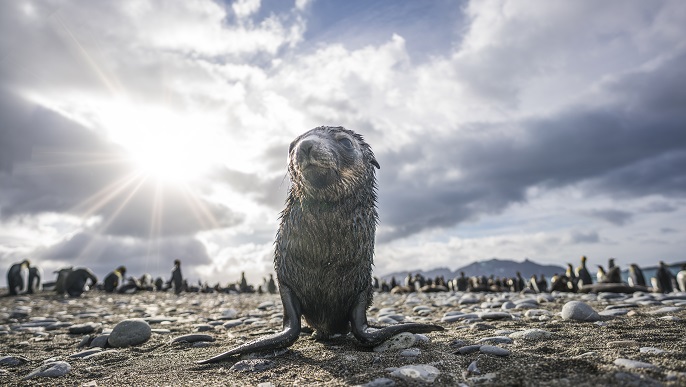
[[305, 147], [305, 151]]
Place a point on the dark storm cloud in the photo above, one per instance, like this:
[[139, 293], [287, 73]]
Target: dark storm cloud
[[616, 217], [270, 191], [630, 148], [70, 169], [14, 142]]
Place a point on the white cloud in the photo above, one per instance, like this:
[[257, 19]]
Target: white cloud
[[245, 8], [468, 139]]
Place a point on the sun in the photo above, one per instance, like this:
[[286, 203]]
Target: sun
[[169, 156], [170, 146]]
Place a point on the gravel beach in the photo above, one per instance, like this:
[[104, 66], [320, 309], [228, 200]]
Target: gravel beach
[[154, 339]]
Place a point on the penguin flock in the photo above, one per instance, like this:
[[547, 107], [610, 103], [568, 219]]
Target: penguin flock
[[580, 280]]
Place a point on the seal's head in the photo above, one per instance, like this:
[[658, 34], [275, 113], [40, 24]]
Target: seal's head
[[329, 163]]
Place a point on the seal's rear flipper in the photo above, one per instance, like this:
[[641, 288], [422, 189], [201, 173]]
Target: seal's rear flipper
[[370, 336], [290, 333], [279, 340]]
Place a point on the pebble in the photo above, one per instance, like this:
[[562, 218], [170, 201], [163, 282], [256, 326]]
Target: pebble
[[495, 316], [400, 341], [101, 354], [266, 305], [380, 382], [531, 334], [665, 310], [633, 364], [468, 349], [232, 323], [83, 328], [417, 373], [99, 341], [129, 332], [192, 338], [579, 311], [229, 314], [531, 313], [495, 340], [651, 350], [203, 328], [252, 365], [481, 327], [410, 352], [493, 350], [13, 360], [85, 353], [473, 368], [51, 370], [614, 312]]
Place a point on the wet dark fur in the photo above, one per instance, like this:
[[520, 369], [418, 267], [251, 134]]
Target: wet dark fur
[[324, 248]]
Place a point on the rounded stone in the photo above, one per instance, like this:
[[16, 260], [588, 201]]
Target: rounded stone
[[252, 365], [495, 340], [100, 341], [417, 373], [493, 350], [129, 332], [531, 334], [579, 311], [50, 370], [633, 364], [399, 341], [467, 349], [410, 352], [83, 328]]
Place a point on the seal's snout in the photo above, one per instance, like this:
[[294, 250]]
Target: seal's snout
[[313, 152], [304, 148]]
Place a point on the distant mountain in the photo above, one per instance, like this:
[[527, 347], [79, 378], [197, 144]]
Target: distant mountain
[[494, 266]]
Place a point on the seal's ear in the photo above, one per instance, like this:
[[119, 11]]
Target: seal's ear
[[375, 163]]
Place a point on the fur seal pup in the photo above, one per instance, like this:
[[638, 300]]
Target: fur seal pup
[[324, 247]]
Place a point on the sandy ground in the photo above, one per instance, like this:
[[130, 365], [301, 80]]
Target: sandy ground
[[577, 353]]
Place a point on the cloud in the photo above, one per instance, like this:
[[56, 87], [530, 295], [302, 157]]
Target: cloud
[[74, 171], [103, 254], [533, 125], [583, 237], [616, 217]]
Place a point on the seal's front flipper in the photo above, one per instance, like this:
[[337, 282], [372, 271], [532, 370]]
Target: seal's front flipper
[[369, 336], [290, 333]]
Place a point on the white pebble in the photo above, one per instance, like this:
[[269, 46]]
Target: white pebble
[[419, 372], [400, 341], [51, 370], [579, 311]]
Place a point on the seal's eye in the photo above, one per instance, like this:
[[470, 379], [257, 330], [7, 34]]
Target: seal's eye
[[346, 143]]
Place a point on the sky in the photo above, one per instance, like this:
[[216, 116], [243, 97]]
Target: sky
[[138, 132]]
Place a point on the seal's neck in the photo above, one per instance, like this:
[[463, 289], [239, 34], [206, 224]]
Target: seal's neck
[[313, 205]]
